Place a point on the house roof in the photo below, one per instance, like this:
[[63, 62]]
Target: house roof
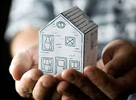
[[79, 19]]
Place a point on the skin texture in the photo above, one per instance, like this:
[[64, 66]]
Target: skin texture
[[113, 75], [29, 81]]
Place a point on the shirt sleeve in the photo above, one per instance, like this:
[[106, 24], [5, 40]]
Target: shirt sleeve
[[132, 97], [28, 13]]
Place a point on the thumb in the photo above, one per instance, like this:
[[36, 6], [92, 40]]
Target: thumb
[[118, 57], [20, 64], [115, 67]]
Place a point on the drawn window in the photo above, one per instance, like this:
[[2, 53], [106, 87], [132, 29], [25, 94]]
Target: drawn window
[[47, 64], [60, 24], [47, 42], [61, 63], [74, 64], [70, 41]]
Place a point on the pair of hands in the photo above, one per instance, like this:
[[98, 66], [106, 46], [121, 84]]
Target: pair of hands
[[113, 76]]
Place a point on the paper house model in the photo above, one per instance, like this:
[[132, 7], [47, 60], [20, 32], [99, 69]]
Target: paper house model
[[68, 41]]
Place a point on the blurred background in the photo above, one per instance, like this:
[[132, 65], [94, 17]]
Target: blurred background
[[8, 88]]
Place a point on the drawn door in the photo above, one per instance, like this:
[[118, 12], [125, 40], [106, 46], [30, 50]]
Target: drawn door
[[60, 64]]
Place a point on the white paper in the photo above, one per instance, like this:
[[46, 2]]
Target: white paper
[[63, 44]]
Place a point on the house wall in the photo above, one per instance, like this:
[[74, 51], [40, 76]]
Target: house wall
[[91, 48], [60, 47]]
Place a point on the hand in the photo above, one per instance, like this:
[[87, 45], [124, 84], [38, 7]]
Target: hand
[[115, 88], [118, 60], [30, 82], [76, 86]]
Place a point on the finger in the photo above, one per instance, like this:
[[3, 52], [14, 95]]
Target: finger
[[56, 95], [70, 91], [120, 64], [20, 64], [128, 81], [58, 77], [100, 64], [25, 86], [111, 46], [64, 97], [44, 87], [79, 80], [104, 82], [127, 85], [118, 57], [115, 67]]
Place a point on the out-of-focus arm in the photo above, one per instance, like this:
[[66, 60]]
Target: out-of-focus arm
[[25, 18], [24, 39]]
